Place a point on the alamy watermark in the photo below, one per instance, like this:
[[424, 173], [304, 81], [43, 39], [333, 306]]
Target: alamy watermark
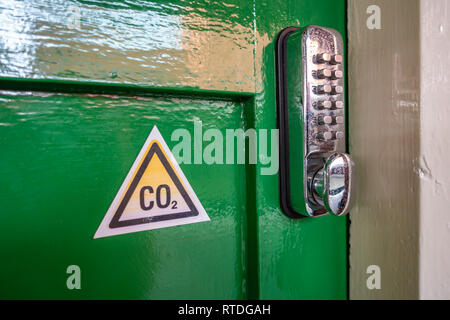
[[74, 279], [374, 19], [213, 146], [374, 280]]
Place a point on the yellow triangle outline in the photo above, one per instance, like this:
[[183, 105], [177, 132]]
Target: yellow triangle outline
[[153, 149], [196, 212]]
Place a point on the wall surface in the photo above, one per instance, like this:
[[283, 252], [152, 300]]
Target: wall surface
[[384, 137], [399, 111], [435, 150]]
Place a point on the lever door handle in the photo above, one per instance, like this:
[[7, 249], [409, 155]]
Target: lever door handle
[[333, 186]]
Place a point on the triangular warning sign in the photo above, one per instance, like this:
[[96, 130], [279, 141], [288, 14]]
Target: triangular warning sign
[[155, 194]]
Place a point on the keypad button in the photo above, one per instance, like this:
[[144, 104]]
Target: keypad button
[[325, 119], [336, 59], [338, 120], [322, 89], [338, 135], [337, 90], [324, 136], [323, 74], [338, 104], [337, 74], [323, 58], [323, 104]]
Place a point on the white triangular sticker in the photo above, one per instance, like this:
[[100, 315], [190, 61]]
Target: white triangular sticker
[[154, 195]]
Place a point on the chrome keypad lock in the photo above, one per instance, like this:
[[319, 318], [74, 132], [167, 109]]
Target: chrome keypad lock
[[311, 103]]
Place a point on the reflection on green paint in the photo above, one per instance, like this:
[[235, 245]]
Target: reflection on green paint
[[132, 65]]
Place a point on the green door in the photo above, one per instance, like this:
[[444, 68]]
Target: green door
[[82, 85]]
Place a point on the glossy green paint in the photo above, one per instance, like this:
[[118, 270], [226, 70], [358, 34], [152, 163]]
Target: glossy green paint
[[174, 43], [298, 259], [75, 109], [64, 158]]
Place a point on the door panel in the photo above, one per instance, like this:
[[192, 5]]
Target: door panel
[[76, 107], [162, 43], [64, 157]]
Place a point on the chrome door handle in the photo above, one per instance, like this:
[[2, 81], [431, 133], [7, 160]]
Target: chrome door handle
[[333, 186]]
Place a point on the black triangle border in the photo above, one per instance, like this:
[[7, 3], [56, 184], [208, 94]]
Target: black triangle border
[[154, 149]]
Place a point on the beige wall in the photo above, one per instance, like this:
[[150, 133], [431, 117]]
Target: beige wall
[[399, 115], [384, 131]]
